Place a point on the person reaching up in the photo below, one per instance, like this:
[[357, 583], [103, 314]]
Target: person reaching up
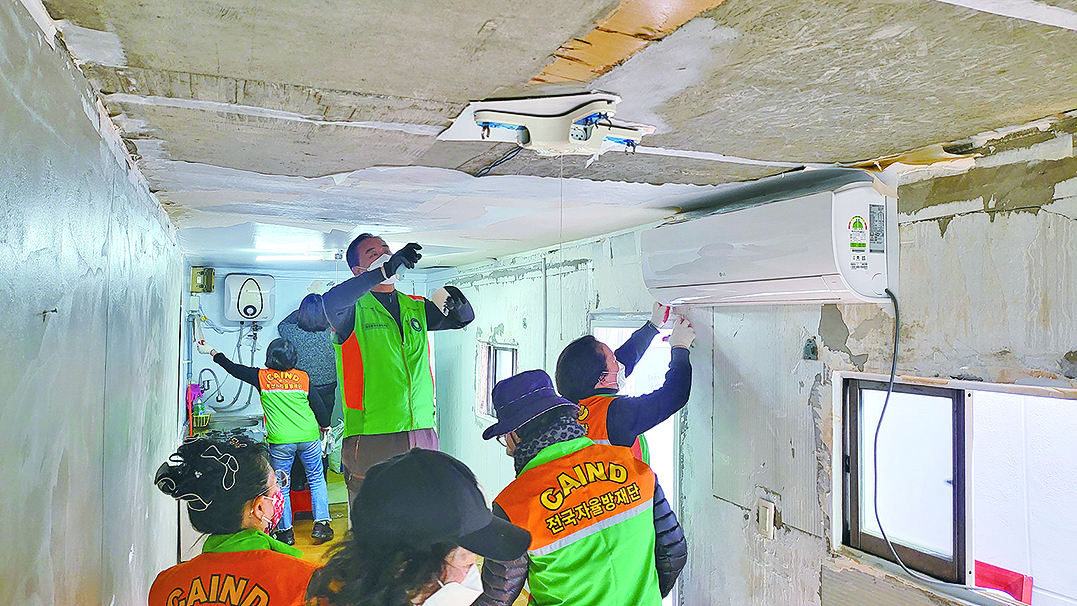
[[591, 375]]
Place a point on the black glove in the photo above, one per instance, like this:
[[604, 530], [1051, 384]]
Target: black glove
[[407, 256], [456, 299]]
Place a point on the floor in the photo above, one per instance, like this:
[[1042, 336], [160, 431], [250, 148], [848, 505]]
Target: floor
[[302, 524]]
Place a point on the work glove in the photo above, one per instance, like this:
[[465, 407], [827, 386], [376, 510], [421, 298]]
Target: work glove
[[683, 335], [448, 298], [407, 256], [202, 347], [659, 314]]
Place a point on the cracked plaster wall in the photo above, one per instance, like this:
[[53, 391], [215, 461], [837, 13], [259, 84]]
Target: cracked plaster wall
[[89, 406], [991, 296]]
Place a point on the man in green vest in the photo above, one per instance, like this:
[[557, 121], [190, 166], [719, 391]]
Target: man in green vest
[[383, 360], [602, 532]]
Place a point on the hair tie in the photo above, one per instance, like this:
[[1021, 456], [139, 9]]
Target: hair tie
[[231, 466], [167, 484], [191, 498]]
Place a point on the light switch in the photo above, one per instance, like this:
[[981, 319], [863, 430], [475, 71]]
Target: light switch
[[764, 517]]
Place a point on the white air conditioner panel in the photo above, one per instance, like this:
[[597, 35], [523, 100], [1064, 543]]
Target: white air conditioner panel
[[829, 246], [782, 290], [249, 297]]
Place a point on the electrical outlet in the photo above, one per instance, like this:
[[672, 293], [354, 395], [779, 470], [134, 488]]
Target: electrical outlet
[[764, 518]]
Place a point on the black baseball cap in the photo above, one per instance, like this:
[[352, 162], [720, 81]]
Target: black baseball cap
[[423, 497]]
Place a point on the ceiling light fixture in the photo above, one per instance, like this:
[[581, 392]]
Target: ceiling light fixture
[[577, 124], [271, 258]]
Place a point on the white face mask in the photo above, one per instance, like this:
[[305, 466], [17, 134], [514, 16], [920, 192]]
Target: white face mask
[[458, 594], [376, 263], [622, 377]]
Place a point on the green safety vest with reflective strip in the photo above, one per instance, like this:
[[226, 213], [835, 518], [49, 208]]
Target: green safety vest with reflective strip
[[289, 419], [387, 385], [593, 415], [590, 511]]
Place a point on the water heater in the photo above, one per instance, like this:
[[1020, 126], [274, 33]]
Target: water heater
[[249, 297]]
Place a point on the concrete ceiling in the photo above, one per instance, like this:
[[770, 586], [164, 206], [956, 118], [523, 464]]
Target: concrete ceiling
[[322, 118]]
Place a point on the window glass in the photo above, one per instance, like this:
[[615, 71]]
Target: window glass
[[504, 363], [915, 466]]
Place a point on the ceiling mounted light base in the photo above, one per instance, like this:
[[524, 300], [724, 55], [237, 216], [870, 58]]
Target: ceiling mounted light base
[[580, 124]]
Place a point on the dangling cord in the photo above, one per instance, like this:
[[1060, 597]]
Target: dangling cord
[[561, 249], [875, 470]]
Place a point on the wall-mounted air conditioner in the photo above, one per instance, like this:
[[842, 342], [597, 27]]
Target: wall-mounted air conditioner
[[811, 236], [248, 297]]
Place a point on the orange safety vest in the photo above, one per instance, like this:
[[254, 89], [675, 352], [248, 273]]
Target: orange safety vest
[[238, 578], [590, 514], [592, 416], [580, 493]]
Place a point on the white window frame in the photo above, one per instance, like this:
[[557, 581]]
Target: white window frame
[[837, 493], [486, 368]]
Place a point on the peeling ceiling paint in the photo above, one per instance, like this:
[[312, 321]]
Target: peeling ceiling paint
[[625, 31], [275, 114], [469, 218]]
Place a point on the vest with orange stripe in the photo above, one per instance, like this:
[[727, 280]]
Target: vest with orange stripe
[[386, 382], [589, 509], [593, 415], [289, 419]]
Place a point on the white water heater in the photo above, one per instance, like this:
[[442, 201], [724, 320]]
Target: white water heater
[[249, 297], [818, 236]]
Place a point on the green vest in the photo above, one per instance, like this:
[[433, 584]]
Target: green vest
[[590, 511], [387, 386], [289, 419]]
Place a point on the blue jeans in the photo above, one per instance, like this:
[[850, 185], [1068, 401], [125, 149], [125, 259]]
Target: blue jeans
[[310, 453]]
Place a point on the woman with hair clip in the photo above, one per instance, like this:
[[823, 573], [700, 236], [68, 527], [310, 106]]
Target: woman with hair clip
[[234, 496], [418, 522], [294, 413]]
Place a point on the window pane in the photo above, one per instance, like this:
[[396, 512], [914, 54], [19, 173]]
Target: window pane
[[1025, 490], [504, 363], [483, 387], [915, 469]]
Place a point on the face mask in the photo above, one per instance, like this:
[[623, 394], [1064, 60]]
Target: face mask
[[278, 512], [458, 594], [622, 377], [381, 261]]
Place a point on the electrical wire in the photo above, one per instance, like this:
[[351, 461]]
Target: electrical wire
[[561, 248], [875, 469], [237, 353], [217, 329], [509, 156], [215, 379]]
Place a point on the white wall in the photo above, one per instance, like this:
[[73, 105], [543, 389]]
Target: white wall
[[88, 408]]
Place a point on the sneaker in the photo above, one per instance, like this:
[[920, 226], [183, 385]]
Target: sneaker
[[285, 536], [322, 532]]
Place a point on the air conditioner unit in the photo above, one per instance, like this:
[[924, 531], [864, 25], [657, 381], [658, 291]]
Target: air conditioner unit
[[813, 236], [249, 297]]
